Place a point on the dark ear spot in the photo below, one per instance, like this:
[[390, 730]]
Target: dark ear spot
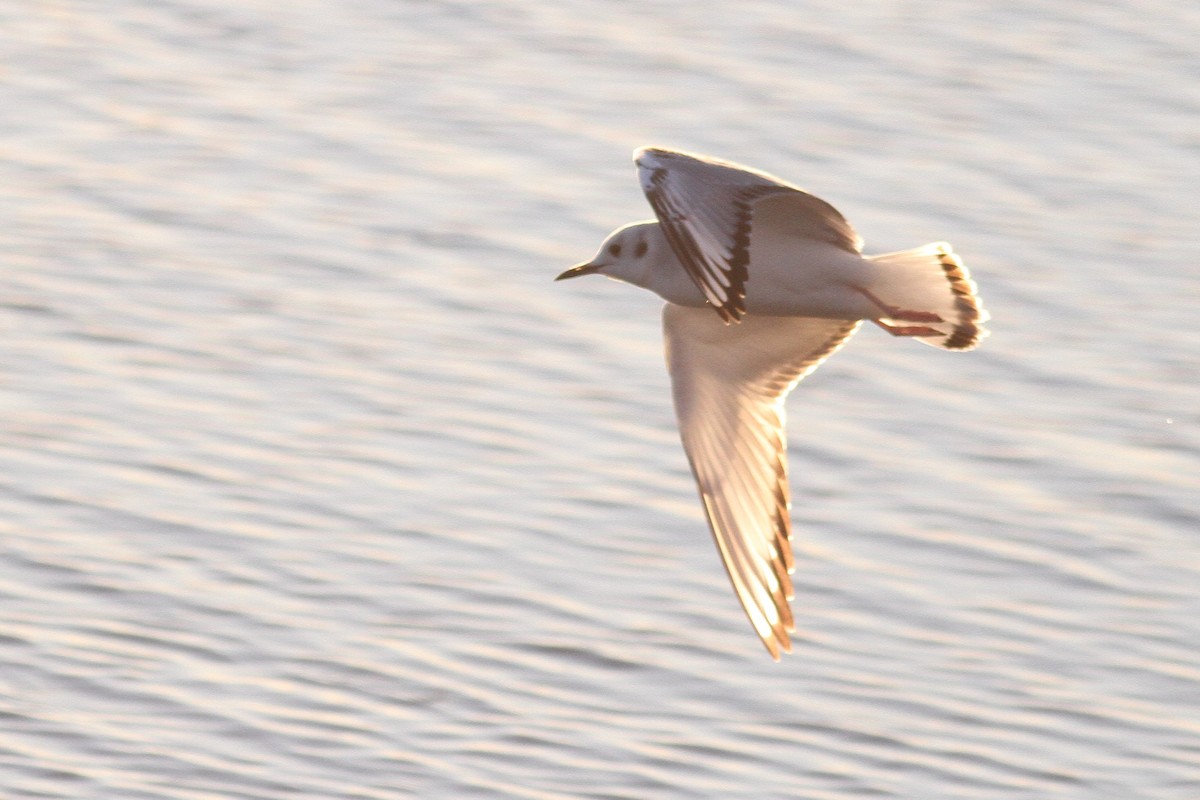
[[641, 248], [614, 250]]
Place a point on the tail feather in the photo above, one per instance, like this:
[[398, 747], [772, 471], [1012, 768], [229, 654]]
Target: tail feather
[[933, 279]]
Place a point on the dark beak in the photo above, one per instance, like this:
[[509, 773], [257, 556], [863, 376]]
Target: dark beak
[[579, 269]]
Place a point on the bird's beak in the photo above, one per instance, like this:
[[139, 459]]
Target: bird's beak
[[586, 268]]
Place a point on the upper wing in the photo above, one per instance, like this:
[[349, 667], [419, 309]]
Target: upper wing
[[729, 384], [709, 209]]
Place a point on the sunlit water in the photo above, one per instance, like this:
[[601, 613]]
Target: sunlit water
[[315, 486]]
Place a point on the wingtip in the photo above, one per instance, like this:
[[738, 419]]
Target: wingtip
[[730, 313], [650, 157], [646, 150], [777, 646]]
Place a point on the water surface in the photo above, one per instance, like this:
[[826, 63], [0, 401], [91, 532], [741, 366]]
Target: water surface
[[314, 485]]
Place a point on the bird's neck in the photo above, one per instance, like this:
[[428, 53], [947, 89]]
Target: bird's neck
[[665, 275]]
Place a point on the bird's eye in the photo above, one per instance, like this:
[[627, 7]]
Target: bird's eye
[[640, 250], [614, 250]]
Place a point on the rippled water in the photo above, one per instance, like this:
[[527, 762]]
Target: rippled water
[[314, 485]]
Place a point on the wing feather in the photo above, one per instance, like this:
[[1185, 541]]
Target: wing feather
[[729, 384], [709, 210]]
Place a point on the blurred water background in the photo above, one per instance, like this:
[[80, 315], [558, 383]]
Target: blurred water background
[[314, 485]]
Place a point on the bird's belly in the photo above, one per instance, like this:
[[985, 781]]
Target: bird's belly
[[840, 302], [812, 281]]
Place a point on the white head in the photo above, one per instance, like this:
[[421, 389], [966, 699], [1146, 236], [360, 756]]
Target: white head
[[629, 254]]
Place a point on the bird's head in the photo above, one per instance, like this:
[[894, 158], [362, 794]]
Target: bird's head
[[626, 255]]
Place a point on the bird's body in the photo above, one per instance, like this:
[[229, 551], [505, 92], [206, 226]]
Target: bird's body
[[787, 268], [792, 276]]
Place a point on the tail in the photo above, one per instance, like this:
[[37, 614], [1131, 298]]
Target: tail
[[931, 280]]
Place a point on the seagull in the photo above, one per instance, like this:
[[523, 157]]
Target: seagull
[[763, 282]]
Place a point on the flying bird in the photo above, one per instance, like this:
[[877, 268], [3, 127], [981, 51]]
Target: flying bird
[[763, 282]]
